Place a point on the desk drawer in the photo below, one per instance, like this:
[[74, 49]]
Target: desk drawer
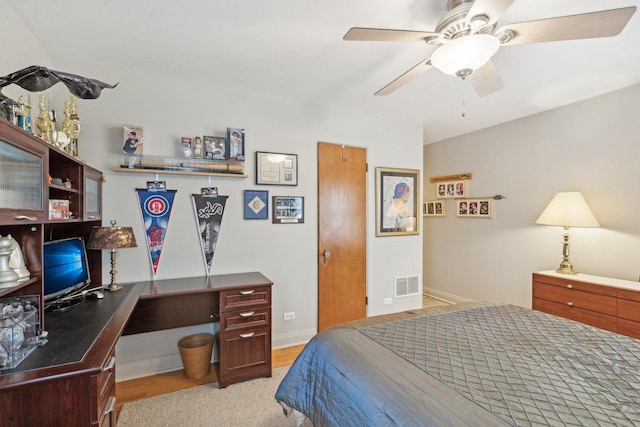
[[105, 391], [245, 298], [573, 297], [245, 355], [249, 319]]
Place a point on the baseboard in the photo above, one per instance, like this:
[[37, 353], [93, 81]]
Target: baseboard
[[292, 338], [444, 296]]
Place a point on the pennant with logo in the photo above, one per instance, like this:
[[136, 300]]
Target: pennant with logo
[[208, 212], [155, 207]]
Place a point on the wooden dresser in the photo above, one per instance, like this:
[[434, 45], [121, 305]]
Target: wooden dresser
[[603, 302]]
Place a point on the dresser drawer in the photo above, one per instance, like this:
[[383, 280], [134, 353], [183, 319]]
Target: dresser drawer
[[629, 310], [246, 298], [629, 328], [599, 320], [250, 319], [575, 285], [573, 297]]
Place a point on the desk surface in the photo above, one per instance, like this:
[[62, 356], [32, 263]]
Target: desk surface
[[200, 284]]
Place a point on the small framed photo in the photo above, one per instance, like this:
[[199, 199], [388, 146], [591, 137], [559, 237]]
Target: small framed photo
[[186, 147], [452, 189], [215, 147], [474, 208], [157, 185], [288, 210], [133, 137], [235, 144], [209, 191], [276, 168], [434, 208], [256, 204], [397, 201]]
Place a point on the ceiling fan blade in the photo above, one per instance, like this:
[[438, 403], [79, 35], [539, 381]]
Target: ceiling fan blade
[[385, 35], [405, 78], [604, 23], [493, 9], [486, 80]]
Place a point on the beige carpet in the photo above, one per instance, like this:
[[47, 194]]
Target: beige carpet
[[250, 403]]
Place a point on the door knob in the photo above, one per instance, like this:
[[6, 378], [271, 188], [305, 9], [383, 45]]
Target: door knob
[[325, 254]]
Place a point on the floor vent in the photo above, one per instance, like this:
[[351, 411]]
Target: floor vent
[[407, 285]]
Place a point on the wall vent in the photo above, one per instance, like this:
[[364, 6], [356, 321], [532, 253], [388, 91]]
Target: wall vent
[[407, 286]]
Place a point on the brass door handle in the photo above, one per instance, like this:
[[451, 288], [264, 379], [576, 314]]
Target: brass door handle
[[325, 255]]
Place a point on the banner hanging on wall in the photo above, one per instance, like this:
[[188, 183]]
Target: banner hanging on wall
[[155, 206], [208, 212]]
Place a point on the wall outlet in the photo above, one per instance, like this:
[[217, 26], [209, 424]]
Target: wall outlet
[[289, 316], [388, 300]]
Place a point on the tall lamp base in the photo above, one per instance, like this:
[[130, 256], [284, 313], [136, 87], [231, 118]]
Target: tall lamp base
[[113, 286], [565, 266]]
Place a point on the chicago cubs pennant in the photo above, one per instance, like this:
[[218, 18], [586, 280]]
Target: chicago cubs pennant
[[155, 207], [208, 212]]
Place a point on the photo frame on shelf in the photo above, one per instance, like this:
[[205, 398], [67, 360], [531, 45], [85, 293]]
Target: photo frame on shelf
[[434, 208], [133, 139], [452, 189], [397, 201], [288, 210], [256, 204], [276, 168], [474, 208], [235, 144]]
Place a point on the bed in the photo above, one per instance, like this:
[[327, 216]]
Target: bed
[[465, 364]]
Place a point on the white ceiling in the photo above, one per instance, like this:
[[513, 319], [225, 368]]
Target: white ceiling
[[294, 49]]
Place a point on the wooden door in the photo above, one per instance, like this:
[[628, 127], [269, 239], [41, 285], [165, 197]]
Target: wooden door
[[342, 246]]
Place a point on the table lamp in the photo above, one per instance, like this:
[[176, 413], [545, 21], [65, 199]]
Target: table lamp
[[111, 238], [567, 209]]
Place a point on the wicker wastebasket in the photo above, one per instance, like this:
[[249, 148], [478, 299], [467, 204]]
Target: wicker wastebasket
[[195, 351]]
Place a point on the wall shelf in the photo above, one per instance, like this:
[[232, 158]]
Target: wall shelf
[[179, 172]]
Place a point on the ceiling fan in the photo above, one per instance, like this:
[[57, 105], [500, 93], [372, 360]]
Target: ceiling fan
[[466, 38]]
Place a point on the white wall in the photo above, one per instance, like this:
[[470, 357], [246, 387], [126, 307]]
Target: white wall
[[591, 146], [169, 109]]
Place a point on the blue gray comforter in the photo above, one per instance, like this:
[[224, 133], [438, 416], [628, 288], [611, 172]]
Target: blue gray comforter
[[487, 365]]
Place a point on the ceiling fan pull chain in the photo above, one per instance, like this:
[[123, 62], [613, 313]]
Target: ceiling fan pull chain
[[463, 112]]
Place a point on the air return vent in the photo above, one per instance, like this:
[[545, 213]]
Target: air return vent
[[406, 286]]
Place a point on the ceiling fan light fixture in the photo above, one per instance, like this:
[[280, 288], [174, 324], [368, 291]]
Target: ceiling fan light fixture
[[459, 56]]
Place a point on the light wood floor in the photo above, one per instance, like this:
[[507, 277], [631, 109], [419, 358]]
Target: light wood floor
[[141, 388]]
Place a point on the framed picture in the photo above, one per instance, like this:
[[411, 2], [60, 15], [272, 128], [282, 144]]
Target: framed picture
[[452, 189], [276, 168], [133, 137], [474, 208], [288, 210], [215, 147], [256, 204], [235, 144], [433, 208], [397, 201]]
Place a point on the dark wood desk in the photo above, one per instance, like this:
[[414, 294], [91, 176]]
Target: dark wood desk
[[71, 380]]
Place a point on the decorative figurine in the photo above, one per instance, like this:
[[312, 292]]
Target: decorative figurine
[[24, 114], [16, 261], [75, 127], [43, 122], [7, 274]]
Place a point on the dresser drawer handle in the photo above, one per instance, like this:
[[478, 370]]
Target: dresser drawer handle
[[570, 304], [569, 286], [26, 218], [249, 335], [247, 292], [247, 314], [110, 364], [110, 406]]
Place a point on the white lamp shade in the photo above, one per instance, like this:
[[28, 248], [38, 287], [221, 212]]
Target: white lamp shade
[[568, 209], [466, 53]]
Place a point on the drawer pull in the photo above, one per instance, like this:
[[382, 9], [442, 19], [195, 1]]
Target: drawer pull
[[249, 335], [247, 314], [569, 286], [27, 218], [110, 364], [247, 292], [570, 304], [110, 406]]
